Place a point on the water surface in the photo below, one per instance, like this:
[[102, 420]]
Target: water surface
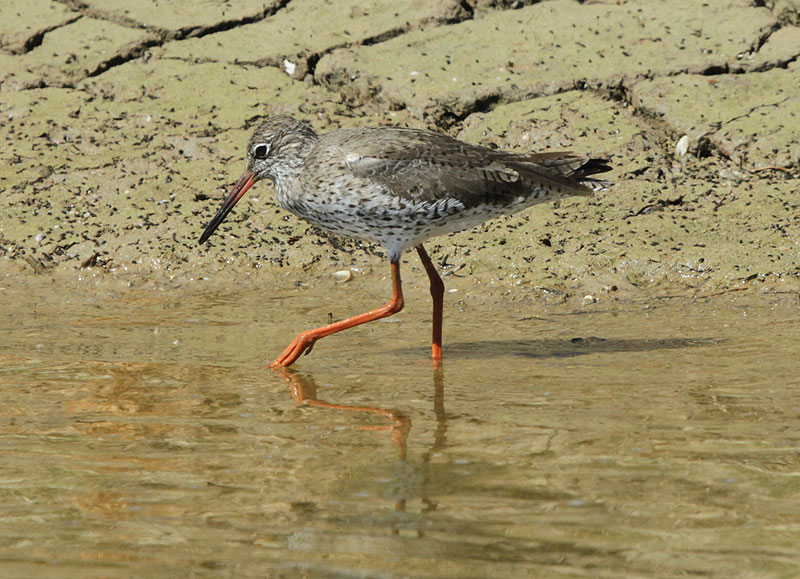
[[142, 436]]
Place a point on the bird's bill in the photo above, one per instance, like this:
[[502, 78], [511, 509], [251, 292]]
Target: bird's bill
[[242, 185]]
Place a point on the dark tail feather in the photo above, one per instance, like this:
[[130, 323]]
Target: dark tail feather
[[593, 167]]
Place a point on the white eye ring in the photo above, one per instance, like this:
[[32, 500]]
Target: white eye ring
[[261, 150]]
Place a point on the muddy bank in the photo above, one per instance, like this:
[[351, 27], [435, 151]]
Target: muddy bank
[[124, 127]]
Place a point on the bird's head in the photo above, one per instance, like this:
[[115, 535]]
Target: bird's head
[[275, 150]]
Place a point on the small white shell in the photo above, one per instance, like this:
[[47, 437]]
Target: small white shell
[[343, 275], [683, 146]]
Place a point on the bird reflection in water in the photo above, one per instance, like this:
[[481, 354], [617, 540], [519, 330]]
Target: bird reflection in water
[[304, 391]]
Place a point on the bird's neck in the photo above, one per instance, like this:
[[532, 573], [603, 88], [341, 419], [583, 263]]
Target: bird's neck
[[292, 158], [293, 150], [286, 177]]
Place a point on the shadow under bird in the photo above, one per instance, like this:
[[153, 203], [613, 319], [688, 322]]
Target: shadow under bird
[[399, 187]]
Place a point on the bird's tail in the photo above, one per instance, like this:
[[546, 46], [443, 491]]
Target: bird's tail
[[568, 169], [593, 167]]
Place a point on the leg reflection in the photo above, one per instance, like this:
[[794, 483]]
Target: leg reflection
[[304, 391], [410, 479]]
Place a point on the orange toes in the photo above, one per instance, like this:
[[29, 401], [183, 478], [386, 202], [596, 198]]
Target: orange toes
[[302, 344]]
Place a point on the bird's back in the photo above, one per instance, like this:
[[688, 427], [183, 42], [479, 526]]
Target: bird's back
[[421, 165]]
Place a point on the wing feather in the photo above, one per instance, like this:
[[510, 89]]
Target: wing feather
[[421, 166]]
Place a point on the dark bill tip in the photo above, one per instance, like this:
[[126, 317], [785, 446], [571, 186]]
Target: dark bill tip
[[242, 185]]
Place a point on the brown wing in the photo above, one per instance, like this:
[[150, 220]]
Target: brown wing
[[424, 166]]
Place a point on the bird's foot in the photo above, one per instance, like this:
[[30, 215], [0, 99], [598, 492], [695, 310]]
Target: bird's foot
[[302, 344]]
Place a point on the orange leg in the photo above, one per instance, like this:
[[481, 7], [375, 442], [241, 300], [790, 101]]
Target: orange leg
[[437, 294], [304, 342]]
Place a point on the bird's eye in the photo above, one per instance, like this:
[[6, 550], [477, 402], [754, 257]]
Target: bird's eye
[[261, 151]]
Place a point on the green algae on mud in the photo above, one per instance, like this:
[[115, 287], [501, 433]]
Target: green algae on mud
[[544, 48], [120, 170], [294, 38], [746, 126]]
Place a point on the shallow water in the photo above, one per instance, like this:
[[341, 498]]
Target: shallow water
[[142, 436]]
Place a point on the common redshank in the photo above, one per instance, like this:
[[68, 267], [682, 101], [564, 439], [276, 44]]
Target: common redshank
[[399, 187]]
